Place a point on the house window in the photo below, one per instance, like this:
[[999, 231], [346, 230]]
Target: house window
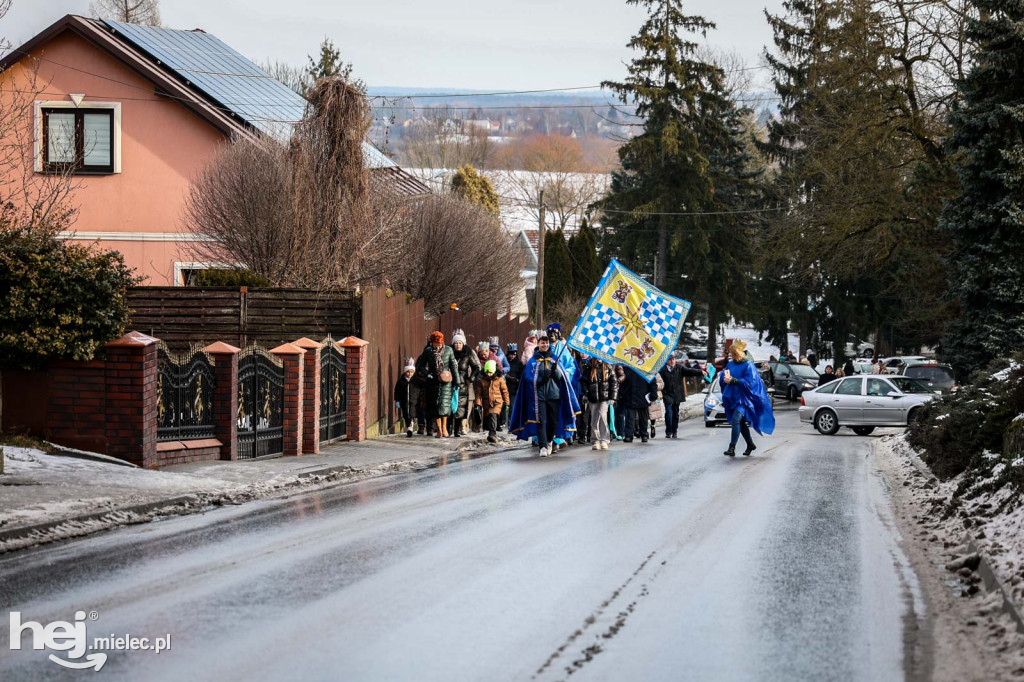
[[80, 140]]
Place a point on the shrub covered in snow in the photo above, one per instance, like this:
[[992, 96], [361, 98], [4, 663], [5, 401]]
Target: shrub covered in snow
[[964, 431]]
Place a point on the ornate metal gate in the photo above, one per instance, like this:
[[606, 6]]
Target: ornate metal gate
[[333, 403], [260, 404], [185, 385]]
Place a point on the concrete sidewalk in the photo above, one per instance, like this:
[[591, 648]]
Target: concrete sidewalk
[[45, 497]]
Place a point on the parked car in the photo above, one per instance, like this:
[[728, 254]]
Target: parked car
[[698, 354], [897, 361], [791, 380], [864, 403], [862, 366], [714, 413], [937, 376]]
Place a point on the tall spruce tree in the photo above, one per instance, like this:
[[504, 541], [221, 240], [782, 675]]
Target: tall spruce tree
[[586, 270], [687, 178], [664, 169], [558, 268], [986, 222]]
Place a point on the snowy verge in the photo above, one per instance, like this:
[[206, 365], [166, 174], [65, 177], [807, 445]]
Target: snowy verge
[[959, 542]]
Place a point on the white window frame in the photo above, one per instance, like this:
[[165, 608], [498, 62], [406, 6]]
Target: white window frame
[[180, 266], [38, 141]]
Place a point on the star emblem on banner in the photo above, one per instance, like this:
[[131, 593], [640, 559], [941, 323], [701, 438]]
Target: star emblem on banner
[[632, 323]]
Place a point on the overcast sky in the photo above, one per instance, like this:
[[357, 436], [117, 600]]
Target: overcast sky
[[515, 45]]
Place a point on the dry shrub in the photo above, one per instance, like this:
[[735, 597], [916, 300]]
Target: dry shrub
[[458, 253]]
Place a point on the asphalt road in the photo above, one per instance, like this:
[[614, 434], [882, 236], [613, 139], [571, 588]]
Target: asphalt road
[[658, 561]]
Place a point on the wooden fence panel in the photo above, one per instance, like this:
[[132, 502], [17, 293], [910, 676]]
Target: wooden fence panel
[[181, 316]]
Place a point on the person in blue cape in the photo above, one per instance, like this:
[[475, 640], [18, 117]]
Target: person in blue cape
[[545, 406], [569, 365], [745, 400]]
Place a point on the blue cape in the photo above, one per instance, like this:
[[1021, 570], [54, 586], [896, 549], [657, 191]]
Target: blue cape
[[748, 398], [523, 422]]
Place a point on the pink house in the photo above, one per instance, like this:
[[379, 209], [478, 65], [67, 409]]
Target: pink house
[[135, 112]]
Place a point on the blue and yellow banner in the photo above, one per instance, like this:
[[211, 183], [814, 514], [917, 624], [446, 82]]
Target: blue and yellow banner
[[629, 322]]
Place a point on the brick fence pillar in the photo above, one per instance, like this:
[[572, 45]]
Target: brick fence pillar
[[131, 404], [291, 355], [225, 398], [310, 396], [355, 366]]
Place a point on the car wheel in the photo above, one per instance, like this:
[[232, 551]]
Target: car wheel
[[913, 415], [863, 430], [792, 394], [826, 422]]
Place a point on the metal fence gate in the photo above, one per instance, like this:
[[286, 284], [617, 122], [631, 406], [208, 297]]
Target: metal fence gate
[[333, 402], [185, 385], [260, 404]]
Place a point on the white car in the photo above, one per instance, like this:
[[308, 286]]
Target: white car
[[864, 402]]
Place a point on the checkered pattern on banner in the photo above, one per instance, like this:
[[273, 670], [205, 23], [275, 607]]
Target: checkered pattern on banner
[[663, 317], [599, 331]]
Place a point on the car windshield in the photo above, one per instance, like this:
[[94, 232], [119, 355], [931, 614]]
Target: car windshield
[[804, 372], [908, 385], [940, 376], [716, 387]]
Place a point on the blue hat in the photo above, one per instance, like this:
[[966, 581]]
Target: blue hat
[[512, 346], [555, 326]]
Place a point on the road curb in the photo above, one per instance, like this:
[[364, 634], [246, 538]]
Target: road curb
[[26, 532]]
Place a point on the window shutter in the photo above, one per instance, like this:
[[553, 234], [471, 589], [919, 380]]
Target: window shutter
[[61, 137], [97, 146]]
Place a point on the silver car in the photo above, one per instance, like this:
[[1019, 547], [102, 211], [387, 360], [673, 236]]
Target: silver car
[[863, 403], [714, 412]]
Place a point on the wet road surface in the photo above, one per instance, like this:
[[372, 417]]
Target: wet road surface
[[657, 561]]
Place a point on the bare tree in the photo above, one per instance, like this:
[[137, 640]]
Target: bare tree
[[308, 213], [556, 166], [440, 139], [144, 12], [458, 253]]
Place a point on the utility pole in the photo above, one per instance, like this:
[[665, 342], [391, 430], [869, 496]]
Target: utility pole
[[539, 293]]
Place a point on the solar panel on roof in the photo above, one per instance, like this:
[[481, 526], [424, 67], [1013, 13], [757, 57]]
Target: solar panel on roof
[[228, 79]]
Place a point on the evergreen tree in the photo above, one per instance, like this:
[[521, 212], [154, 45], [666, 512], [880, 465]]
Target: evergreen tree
[[664, 169], [986, 223], [558, 270], [475, 188], [329, 63], [586, 270], [678, 204]]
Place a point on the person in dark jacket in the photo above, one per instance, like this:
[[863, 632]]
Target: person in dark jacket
[[436, 361], [469, 371], [827, 376], [515, 368], [636, 397], [601, 388], [848, 369], [579, 386], [407, 397], [545, 405], [674, 375]]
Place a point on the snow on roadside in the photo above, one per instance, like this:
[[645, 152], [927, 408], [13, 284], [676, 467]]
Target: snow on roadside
[[997, 528]]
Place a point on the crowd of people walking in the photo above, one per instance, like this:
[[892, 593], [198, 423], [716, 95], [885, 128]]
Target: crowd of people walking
[[548, 393]]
